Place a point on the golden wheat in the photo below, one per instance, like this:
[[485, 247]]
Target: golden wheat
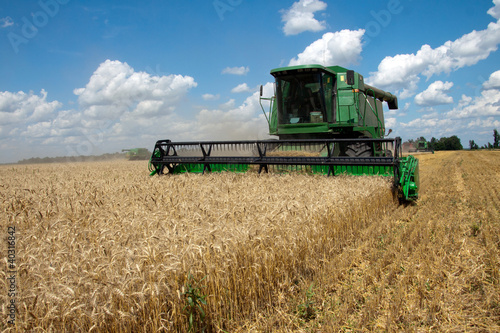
[[104, 247]]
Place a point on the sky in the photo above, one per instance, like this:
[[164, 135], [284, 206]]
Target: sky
[[93, 77]]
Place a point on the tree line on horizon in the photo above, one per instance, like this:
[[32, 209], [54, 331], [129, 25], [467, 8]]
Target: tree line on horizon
[[444, 143], [453, 143], [495, 145], [68, 159]]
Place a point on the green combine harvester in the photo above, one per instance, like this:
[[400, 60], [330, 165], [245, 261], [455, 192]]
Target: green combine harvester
[[327, 120], [137, 154], [423, 146]]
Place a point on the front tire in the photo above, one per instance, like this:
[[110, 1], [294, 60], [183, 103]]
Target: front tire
[[359, 149]]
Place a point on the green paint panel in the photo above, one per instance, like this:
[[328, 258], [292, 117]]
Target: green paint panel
[[386, 171], [346, 100], [364, 170], [198, 168], [303, 128]]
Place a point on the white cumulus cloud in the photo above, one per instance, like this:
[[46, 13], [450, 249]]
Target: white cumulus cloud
[[236, 70], [334, 48], [495, 11], [19, 108], [6, 22], [118, 107], [115, 88], [228, 105], [402, 72], [493, 82], [487, 123], [390, 122], [242, 88], [471, 118], [300, 17], [485, 105], [210, 97], [435, 94]]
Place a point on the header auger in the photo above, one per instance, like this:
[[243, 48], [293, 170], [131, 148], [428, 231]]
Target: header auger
[[328, 121]]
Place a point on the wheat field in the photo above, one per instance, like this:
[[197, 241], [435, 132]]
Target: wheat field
[[103, 247]]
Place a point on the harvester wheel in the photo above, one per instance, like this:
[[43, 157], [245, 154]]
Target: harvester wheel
[[359, 149]]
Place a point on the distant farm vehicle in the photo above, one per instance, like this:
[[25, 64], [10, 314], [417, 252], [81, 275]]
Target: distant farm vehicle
[[137, 154], [420, 146]]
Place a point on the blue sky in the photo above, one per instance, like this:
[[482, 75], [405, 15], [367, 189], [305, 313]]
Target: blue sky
[[93, 77]]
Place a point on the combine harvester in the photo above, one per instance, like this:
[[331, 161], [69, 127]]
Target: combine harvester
[[423, 146], [419, 146], [328, 121], [137, 153]]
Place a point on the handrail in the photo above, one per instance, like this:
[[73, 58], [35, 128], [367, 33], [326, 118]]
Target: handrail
[[270, 107]]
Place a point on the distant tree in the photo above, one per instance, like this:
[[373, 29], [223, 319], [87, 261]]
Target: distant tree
[[490, 146], [439, 144], [496, 139], [432, 143], [451, 143], [473, 145]]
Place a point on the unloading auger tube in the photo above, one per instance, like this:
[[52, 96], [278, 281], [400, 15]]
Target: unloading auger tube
[[317, 156]]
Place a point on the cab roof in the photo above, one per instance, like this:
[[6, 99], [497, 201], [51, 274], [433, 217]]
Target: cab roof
[[330, 69]]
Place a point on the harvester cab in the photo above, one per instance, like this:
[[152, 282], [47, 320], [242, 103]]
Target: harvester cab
[[313, 101], [327, 121]]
